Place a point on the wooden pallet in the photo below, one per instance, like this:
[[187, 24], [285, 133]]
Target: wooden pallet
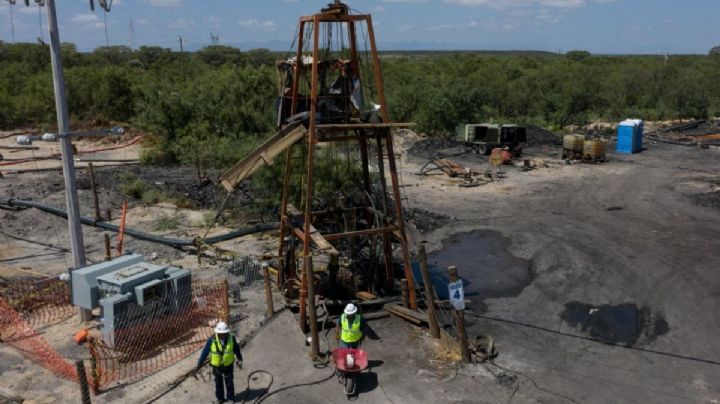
[[568, 154], [594, 159]]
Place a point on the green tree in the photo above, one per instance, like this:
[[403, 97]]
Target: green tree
[[218, 55]]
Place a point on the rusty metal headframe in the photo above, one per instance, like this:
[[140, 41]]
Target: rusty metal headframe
[[300, 226]]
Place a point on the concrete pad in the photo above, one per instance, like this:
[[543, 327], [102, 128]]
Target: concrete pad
[[402, 370]]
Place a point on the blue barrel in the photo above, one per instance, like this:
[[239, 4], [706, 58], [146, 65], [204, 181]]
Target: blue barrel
[[629, 136]]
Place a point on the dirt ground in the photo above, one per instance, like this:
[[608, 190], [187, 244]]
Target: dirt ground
[[597, 281], [595, 241]]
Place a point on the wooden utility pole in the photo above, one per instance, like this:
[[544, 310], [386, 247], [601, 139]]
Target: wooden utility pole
[[226, 302], [182, 59], [268, 291], [108, 253], [83, 381], [429, 293], [93, 186], [460, 322], [312, 313], [63, 120], [404, 291]]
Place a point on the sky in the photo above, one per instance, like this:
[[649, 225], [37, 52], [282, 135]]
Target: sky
[[599, 26]]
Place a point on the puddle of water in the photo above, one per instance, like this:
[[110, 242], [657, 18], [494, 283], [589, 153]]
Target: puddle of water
[[623, 324], [484, 263]]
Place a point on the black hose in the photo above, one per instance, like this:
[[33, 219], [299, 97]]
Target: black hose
[[292, 386], [172, 242]]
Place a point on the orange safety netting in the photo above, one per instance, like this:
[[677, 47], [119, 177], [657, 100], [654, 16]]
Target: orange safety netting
[[160, 340], [18, 333], [143, 342]]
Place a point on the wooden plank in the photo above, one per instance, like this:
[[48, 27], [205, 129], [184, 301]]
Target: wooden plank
[[352, 126], [362, 295], [363, 303], [263, 155], [361, 233], [403, 316], [320, 242], [410, 315]]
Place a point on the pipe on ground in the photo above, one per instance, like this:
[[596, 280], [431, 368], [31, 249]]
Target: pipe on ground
[[172, 242]]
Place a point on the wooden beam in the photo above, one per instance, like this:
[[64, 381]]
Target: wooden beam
[[353, 126], [360, 233], [410, 315], [263, 155], [320, 242]]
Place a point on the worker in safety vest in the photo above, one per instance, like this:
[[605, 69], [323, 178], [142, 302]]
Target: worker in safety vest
[[350, 328], [224, 350]]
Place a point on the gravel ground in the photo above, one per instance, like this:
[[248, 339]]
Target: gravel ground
[[603, 248]]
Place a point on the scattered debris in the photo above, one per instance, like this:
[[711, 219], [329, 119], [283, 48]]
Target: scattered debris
[[450, 168]]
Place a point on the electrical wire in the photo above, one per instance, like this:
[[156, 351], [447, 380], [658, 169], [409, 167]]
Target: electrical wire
[[292, 386], [530, 378], [45, 189]]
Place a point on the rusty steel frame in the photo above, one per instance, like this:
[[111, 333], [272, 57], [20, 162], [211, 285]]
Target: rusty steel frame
[[361, 133]]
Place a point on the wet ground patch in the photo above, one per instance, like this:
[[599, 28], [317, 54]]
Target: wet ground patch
[[426, 220], [707, 199], [624, 324], [485, 264]]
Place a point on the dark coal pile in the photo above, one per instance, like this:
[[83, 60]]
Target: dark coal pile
[[537, 136], [623, 324], [707, 199], [177, 183], [702, 131], [696, 128], [434, 147], [425, 220]]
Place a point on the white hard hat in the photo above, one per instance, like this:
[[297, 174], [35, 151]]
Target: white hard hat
[[221, 328], [350, 309]]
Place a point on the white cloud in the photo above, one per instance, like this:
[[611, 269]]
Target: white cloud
[[88, 19], [181, 23], [546, 17], [563, 3], [165, 3], [84, 18], [506, 4], [379, 9], [26, 10], [253, 23], [405, 1]]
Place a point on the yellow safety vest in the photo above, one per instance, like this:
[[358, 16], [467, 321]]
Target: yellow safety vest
[[222, 358], [350, 333]]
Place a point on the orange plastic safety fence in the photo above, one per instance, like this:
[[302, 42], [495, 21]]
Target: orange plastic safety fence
[[39, 301], [17, 333], [159, 340]]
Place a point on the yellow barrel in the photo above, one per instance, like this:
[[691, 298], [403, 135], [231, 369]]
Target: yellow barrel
[[573, 142], [594, 149]]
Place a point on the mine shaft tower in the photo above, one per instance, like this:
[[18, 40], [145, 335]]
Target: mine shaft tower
[[334, 112]]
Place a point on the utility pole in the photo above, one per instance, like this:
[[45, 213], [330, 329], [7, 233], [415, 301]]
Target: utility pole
[[63, 119], [12, 20], [182, 59], [131, 28]]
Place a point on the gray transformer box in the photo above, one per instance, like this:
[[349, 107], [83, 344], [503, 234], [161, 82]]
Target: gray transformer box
[[85, 290], [130, 293]]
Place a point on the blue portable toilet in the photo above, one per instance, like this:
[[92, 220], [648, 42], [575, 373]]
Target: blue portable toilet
[[629, 136]]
